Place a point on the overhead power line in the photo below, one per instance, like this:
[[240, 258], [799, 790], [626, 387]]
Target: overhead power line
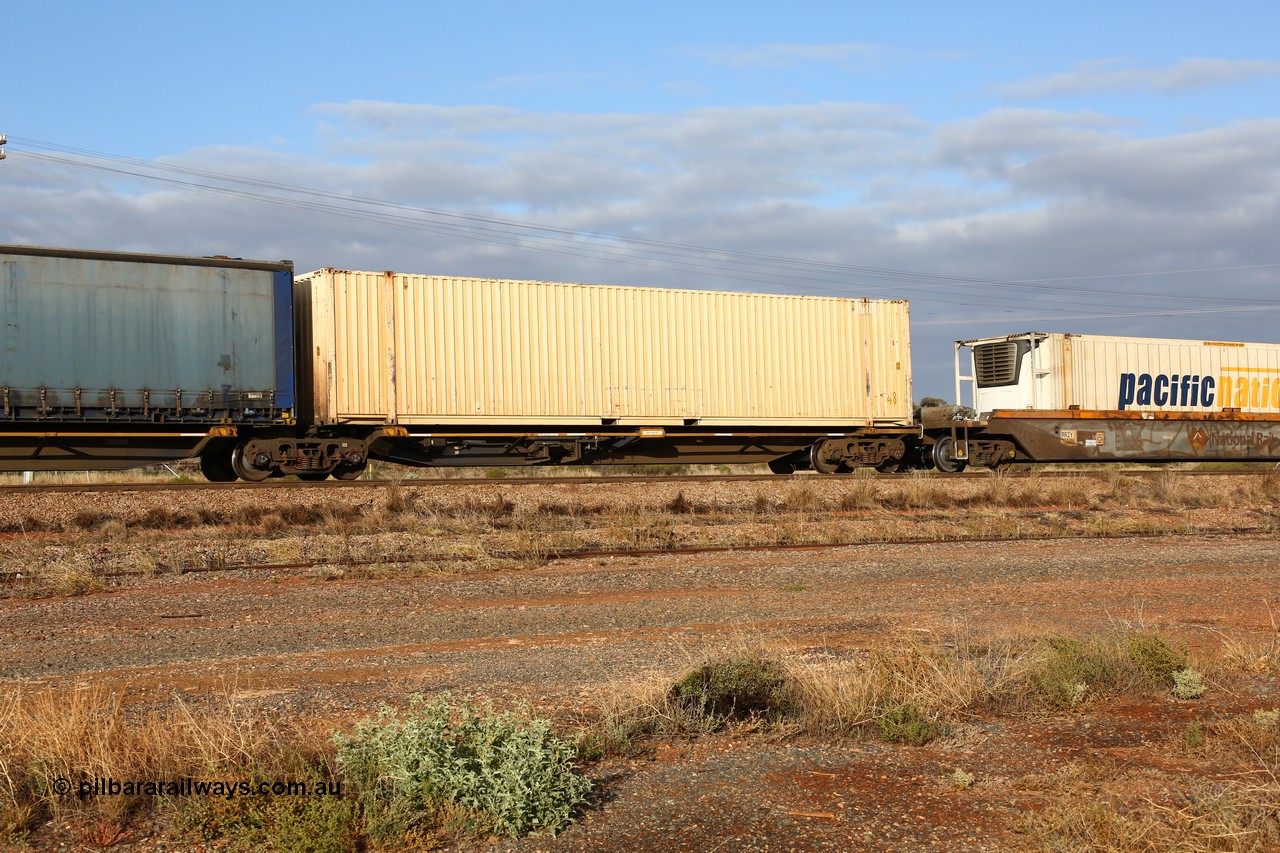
[[762, 268]]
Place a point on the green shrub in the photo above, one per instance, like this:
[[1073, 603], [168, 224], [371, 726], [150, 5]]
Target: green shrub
[[1072, 668], [302, 824], [903, 723], [1155, 658], [1193, 735], [734, 688], [449, 766]]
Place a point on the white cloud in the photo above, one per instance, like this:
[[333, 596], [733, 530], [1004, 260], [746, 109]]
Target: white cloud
[[1010, 194], [1109, 76]]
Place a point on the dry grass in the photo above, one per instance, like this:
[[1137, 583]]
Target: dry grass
[[53, 741], [506, 526], [65, 577], [944, 684], [919, 490], [1207, 818], [1240, 813], [845, 697], [801, 497], [916, 690]]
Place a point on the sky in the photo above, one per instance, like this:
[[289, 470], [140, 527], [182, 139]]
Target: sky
[[1099, 168]]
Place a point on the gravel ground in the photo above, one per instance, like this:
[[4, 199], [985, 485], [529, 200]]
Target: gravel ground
[[566, 636], [563, 629]]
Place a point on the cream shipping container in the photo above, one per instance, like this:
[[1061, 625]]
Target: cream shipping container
[[422, 350]]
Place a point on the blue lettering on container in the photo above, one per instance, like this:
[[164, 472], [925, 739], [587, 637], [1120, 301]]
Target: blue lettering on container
[[1145, 389]]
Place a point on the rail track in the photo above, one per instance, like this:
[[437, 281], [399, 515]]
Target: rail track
[[29, 488]]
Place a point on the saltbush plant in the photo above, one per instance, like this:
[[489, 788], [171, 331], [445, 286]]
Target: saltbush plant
[[1187, 684], [446, 766]]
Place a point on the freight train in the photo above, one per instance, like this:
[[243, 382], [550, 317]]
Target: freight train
[[113, 360]]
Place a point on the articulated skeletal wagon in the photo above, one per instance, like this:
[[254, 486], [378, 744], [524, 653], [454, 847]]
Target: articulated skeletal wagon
[[112, 360]]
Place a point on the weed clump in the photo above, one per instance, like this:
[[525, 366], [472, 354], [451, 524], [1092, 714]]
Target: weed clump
[[89, 519], [680, 505], [62, 577], [1256, 734], [1154, 657], [801, 497], [904, 723], [1071, 669], [450, 767], [738, 687], [1206, 818], [311, 824]]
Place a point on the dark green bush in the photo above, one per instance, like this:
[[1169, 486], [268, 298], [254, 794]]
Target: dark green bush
[[1154, 657], [1071, 669], [733, 688], [903, 723]]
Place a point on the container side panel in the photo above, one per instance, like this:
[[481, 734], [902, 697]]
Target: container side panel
[[1167, 376], [477, 351], [114, 333]]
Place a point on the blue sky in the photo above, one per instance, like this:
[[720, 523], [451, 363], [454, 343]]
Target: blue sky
[[1114, 167], [165, 77]]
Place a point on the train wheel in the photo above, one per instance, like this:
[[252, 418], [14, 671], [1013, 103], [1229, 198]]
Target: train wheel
[[826, 458], [244, 470], [944, 458], [216, 467], [314, 476], [348, 472], [891, 466]]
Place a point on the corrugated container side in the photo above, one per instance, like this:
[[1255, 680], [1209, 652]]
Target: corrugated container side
[[105, 330], [435, 350], [1171, 375], [1105, 373]]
